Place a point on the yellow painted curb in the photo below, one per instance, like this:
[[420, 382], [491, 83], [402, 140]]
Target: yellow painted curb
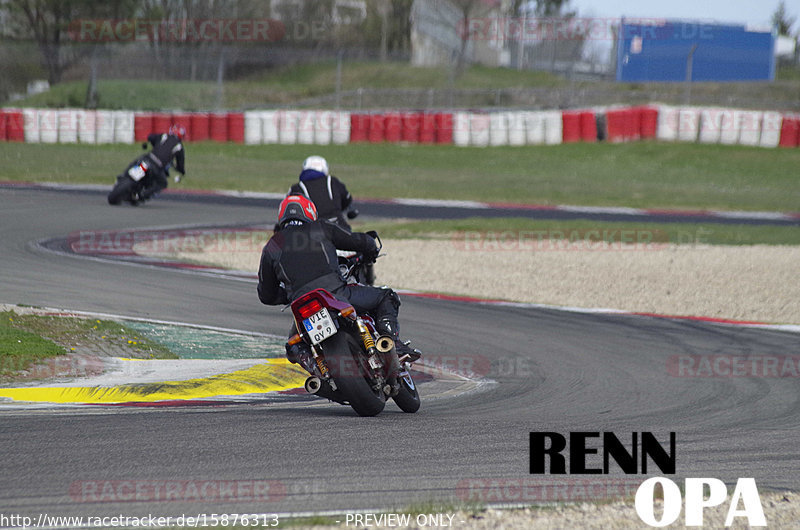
[[272, 375]]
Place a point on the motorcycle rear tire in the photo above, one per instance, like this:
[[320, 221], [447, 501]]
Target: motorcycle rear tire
[[342, 354]]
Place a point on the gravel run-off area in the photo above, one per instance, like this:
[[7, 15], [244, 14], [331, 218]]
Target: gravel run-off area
[[752, 283]]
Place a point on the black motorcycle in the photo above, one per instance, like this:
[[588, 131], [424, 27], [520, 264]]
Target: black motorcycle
[[138, 176], [352, 363]]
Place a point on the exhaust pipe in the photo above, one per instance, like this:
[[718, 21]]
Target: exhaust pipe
[[384, 344], [313, 384], [316, 386]]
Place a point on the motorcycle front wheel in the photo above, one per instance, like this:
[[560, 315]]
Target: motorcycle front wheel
[[351, 373]]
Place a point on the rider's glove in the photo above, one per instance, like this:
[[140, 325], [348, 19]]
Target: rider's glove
[[371, 256]]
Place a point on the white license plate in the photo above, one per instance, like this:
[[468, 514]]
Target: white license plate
[[136, 173], [320, 326]]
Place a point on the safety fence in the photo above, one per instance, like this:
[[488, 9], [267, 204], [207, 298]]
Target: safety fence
[[710, 125]]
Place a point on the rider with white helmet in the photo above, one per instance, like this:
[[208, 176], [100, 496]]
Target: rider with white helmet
[[328, 193]]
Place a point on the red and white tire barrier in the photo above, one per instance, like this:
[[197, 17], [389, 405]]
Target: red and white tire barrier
[[712, 125], [709, 125]]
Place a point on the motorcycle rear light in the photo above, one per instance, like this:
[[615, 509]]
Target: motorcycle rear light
[[295, 339], [310, 308], [349, 312]]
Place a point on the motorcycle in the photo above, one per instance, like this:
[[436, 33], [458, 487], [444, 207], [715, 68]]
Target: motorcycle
[[137, 177], [352, 363]]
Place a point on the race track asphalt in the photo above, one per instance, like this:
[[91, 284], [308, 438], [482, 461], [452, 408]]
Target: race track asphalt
[[553, 371]]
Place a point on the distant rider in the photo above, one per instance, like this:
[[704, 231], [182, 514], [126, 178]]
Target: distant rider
[[330, 196], [301, 257], [328, 193], [167, 147]]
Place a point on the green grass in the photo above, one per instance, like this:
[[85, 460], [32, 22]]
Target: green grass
[[788, 73], [640, 174], [488, 230], [293, 84], [28, 338], [279, 86], [71, 333], [129, 94], [20, 349], [320, 78]]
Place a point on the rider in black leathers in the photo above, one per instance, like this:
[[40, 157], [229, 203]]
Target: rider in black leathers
[[301, 257], [331, 198], [167, 147], [328, 193]]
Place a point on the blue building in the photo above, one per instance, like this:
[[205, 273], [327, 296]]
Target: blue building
[[660, 51]]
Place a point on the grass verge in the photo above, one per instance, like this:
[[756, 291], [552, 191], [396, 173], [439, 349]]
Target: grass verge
[[20, 349], [640, 174], [292, 84], [281, 86], [27, 338]]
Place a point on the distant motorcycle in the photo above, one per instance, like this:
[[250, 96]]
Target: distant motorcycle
[[352, 363], [136, 177]]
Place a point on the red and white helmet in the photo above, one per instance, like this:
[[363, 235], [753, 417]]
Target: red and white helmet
[[298, 208], [178, 130]]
